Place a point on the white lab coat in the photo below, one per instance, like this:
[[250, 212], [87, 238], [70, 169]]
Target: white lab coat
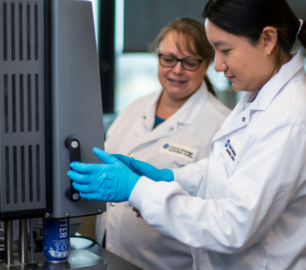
[[191, 129], [247, 208]]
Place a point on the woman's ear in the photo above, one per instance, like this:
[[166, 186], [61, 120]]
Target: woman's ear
[[269, 38]]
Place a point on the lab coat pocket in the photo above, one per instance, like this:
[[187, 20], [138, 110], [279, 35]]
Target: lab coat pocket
[[181, 155]]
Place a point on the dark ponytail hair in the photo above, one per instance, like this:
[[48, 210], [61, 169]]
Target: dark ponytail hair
[[209, 85], [194, 33], [249, 17]]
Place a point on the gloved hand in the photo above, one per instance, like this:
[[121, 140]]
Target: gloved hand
[[109, 182], [146, 169], [127, 161]]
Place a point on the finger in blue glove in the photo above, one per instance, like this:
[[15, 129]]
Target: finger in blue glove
[[126, 160], [151, 172], [146, 169], [109, 182]]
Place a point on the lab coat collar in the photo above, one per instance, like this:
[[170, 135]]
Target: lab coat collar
[[185, 115], [148, 117], [277, 82], [190, 109], [240, 116]]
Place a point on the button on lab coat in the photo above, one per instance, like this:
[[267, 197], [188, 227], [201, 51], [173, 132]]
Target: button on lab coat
[[247, 208], [191, 130]]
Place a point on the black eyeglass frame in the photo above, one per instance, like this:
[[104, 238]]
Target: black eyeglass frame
[[179, 60]]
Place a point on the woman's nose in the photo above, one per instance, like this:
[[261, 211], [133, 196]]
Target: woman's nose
[[178, 68], [220, 66]]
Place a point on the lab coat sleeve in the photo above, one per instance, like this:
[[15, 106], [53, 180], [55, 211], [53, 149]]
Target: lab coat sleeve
[[267, 178], [191, 176]]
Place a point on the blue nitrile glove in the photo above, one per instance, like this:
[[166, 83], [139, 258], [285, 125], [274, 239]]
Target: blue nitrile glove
[[146, 169], [127, 161], [109, 182]]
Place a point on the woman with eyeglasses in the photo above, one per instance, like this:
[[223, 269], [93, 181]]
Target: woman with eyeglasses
[[169, 129]]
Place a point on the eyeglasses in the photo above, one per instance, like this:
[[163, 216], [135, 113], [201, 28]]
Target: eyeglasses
[[188, 63]]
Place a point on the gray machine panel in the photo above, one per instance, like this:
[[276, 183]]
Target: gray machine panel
[[22, 167], [76, 99]]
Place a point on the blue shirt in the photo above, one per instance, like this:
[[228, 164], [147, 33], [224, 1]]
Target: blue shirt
[[158, 121]]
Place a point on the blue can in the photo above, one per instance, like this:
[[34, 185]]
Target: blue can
[[56, 239]]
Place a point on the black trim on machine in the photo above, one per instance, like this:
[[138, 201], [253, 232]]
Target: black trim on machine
[[48, 108]]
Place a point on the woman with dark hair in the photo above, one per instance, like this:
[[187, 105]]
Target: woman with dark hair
[[246, 208], [162, 128]]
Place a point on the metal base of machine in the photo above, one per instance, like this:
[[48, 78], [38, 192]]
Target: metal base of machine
[[77, 259]]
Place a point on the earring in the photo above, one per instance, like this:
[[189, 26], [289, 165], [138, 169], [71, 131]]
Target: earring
[[269, 54]]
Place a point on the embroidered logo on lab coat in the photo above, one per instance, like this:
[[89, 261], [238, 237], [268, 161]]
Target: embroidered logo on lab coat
[[166, 146], [185, 152], [230, 150]]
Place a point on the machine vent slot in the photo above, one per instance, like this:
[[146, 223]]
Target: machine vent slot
[[15, 174], [28, 31], [20, 31], [36, 30], [29, 104], [7, 175], [5, 104], [38, 171], [22, 91], [21, 97], [14, 102], [21, 103], [23, 177], [5, 31], [13, 30], [37, 101], [31, 173]]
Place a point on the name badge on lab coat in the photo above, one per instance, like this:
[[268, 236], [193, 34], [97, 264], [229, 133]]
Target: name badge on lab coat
[[182, 151], [231, 150]]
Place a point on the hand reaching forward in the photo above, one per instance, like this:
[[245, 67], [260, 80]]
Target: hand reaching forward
[[145, 169], [109, 182]]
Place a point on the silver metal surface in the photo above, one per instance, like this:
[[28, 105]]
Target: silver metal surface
[[32, 242], [23, 258], [8, 227], [77, 259]]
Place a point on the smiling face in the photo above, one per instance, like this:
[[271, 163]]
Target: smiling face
[[177, 82], [246, 65]]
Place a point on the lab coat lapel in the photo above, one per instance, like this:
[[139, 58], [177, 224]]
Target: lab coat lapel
[[240, 116], [166, 129], [189, 111], [141, 128], [185, 115]]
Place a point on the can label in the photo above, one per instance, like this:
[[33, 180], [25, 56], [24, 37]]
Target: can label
[[56, 239]]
